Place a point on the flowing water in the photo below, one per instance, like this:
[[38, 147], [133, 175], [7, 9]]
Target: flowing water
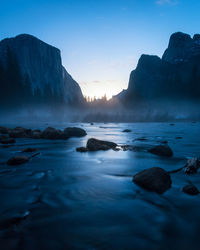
[[63, 199]]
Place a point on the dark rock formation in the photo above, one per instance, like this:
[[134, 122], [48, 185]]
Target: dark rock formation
[[48, 133], [29, 150], [20, 132], [4, 130], [74, 132], [175, 76], [190, 189], [7, 141], [31, 72], [17, 160], [161, 150], [95, 145], [126, 131], [192, 166], [82, 149], [53, 134], [153, 179]]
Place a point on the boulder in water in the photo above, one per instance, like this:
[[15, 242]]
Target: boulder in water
[[126, 131], [95, 145], [190, 189], [17, 160], [153, 179], [7, 141], [82, 149], [74, 132], [53, 134], [20, 132], [161, 150], [29, 150], [3, 130], [192, 166]]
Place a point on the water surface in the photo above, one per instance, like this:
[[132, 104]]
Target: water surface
[[64, 199]]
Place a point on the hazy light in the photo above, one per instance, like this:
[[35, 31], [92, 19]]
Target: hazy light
[[100, 88]]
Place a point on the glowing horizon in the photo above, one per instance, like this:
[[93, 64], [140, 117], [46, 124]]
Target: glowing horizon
[[101, 41]]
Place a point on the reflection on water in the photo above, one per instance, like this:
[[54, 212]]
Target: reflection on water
[[63, 199]]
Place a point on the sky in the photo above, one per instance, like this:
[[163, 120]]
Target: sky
[[101, 40]]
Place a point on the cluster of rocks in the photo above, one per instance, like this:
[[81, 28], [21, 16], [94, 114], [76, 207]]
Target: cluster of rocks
[[158, 180], [95, 145], [153, 179], [9, 135]]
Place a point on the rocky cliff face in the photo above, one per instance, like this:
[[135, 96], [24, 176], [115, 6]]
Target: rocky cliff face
[[40, 66], [174, 76]]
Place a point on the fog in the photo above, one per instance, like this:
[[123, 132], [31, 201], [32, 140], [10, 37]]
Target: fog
[[154, 111]]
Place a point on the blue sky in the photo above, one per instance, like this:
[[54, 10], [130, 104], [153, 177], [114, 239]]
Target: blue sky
[[101, 40]]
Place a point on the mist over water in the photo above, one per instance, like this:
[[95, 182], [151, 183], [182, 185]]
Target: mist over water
[[153, 111]]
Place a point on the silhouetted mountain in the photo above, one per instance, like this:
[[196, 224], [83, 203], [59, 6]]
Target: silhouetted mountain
[[175, 76], [31, 72]]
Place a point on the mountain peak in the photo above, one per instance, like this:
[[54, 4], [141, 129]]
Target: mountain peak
[[181, 48]]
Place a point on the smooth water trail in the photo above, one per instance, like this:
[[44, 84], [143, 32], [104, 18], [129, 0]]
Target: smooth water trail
[[65, 199]]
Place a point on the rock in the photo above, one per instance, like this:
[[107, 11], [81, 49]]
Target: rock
[[4, 130], [161, 150], [7, 141], [179, 137], [91, 123], [29, 150], [127, 147], [53, 134], [126, 131], [17, 160], [164, 142], [153, 179], [171, 124], [94, 145], [20, 132], [192, 166], [41, 64], [36, 134], [36, 131], [82, 149], [190, 189], [74, 132], [141, 139]]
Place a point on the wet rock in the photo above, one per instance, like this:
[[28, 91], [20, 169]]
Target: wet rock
[[95, 144], [74, 132], [29, 150], [179, 137], [192, 166], [161, 150], [4, 130], [82, 149], [171, 124], [164, 142], [127, 147], [37, 130], [126, 131], [20, 132], [7, 141], [141, 139], [190, 189], [17, 160], [53, 134], [153, 179], [36, 134], [91, 123], [14, 221]]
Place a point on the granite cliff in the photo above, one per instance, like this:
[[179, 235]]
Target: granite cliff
[[31, 71]]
